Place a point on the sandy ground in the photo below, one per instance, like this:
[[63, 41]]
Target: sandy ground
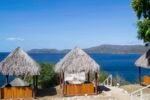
[[133, 87]]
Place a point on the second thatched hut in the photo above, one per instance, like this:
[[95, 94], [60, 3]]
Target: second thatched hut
[[74, 70]]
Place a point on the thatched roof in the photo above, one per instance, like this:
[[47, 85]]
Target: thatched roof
[[77, 61], [19, 63], [144, 60]]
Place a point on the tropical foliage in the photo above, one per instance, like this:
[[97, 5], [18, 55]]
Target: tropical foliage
[[102, 76], [48, 77], [142, 9]]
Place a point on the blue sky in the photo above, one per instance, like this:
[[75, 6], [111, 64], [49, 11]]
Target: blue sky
[[64, 24]]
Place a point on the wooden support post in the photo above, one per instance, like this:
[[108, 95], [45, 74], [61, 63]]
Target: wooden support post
[[60, 80], [63, 83], [7, 81], [1, 94], [96, 83], [36, 85], [33, 89], [140, 75], [33, 94], [88, 76], [37, 82]]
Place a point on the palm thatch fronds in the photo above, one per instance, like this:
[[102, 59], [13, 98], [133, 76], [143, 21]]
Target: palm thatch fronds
[[19, 63], [144, 60], [77, 61]]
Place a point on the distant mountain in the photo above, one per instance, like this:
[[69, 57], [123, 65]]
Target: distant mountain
[[44, 51], [48, 51], [113, 49], [117, 49]]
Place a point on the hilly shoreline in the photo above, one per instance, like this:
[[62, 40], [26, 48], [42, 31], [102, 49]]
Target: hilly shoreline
[[110, 49]]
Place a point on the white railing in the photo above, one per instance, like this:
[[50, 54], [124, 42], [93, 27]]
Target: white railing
[[140, 91], [108, 81]]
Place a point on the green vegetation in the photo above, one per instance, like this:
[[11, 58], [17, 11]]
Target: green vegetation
[[48, 77], [142, 9], [118, 79], [102, 76]]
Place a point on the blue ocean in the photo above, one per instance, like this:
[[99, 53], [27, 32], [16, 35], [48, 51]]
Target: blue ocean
[[115, 64]]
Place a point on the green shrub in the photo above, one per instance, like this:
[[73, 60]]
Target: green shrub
[[102, 76], [48, 77]]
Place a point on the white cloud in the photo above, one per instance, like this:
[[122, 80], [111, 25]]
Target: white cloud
[[14, 39]]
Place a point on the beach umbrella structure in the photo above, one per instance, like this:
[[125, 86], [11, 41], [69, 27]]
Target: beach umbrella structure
[[73, 69], [143, 62], [19, 63]]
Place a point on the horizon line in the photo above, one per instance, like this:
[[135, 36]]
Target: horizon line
[[75, 46]]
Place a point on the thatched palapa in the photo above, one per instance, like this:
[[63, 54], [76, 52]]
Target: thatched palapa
[[73, 69], [144, 60], [77, 61], [19, 63]]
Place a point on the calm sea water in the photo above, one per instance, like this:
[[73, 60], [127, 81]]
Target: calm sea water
[[116, 64]]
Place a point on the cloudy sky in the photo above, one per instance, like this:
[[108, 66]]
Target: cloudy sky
[[64, 24]]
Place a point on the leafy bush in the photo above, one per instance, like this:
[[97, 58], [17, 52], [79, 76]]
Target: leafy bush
[[102, 76], [48, 77]]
